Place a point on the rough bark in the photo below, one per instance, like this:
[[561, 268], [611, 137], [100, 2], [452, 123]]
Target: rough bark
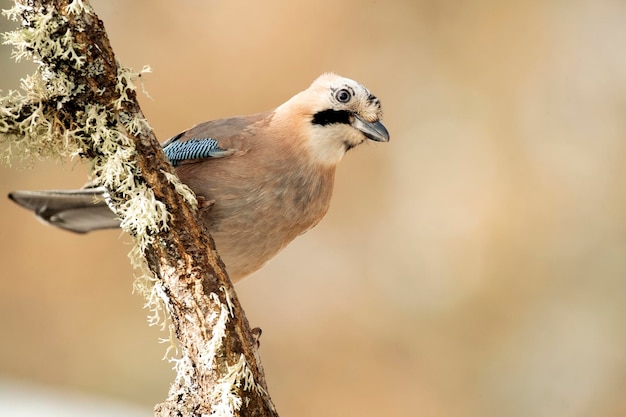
[[219, 372]]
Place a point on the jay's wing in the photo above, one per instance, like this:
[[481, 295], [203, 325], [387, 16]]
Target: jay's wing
[[213, 139], [193, 149], [84, 210]]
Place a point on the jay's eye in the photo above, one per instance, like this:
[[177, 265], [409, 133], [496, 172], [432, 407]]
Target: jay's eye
[[343, 95]]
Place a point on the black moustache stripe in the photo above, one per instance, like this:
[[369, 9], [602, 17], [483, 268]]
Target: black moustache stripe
[[330, 116]]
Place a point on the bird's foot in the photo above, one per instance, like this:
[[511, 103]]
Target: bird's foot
[[204, 204]]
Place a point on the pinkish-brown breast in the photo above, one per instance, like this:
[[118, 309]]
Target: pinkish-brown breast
[[261, 202]]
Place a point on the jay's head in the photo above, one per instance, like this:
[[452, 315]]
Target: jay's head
[[337, 114]]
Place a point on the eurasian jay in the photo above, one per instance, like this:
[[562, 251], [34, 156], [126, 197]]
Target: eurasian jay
[[264, 179]]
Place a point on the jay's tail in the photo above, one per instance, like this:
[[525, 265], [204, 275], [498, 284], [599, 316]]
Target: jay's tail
[[79, 211]]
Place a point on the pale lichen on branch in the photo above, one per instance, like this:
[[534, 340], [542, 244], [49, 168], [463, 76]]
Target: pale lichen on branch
[[52, 115], [57, 114], [81, 103]]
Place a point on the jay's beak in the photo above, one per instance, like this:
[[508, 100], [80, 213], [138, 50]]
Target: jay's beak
[[372, 130]]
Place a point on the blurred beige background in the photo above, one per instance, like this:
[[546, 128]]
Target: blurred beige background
[[473, 266]]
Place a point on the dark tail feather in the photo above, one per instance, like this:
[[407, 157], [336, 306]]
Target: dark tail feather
[[80, 211]]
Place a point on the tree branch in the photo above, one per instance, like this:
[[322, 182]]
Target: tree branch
[[82, 102]]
